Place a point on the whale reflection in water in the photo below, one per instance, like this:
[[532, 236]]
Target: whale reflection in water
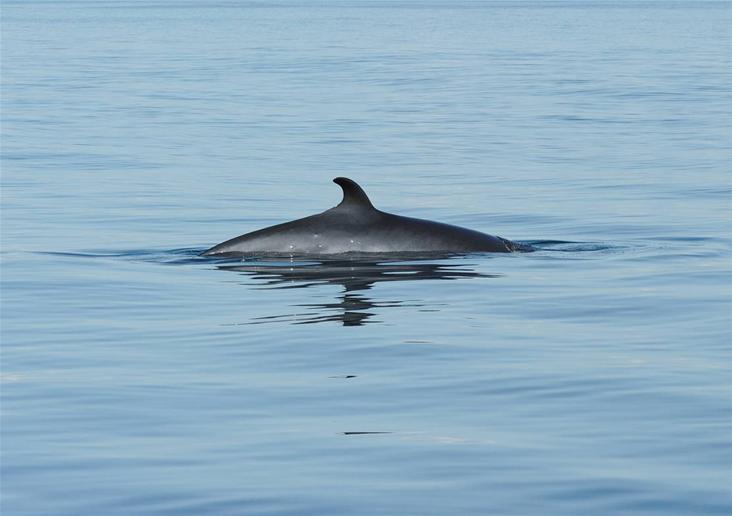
[[352, 307]]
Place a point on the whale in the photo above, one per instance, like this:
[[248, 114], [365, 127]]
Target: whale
[[355, 226]]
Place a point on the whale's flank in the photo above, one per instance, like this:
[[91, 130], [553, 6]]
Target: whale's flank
[[356, 226]]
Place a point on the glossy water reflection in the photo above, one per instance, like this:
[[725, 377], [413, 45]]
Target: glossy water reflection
[[355, 276]]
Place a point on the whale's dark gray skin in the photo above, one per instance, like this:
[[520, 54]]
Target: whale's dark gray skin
[[355, 226]]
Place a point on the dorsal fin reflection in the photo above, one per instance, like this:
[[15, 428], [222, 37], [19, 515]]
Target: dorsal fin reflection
[[351, 307]]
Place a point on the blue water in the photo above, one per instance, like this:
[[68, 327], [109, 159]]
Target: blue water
[[592, 376]]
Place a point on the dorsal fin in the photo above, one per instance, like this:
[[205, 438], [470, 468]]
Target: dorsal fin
[[353, 195]]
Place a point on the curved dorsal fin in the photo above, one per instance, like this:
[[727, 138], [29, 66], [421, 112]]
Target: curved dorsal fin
[[353, 195]]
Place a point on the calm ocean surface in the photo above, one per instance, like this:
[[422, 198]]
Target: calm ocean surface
[[593, 376]]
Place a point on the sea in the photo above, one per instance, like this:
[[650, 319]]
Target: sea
[[591, 376]]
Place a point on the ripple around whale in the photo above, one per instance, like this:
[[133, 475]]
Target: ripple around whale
[[355, 273], [193, 255]]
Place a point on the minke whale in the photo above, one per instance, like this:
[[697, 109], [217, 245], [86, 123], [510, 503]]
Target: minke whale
[[356, 226]]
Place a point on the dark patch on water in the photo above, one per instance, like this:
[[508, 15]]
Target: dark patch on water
[[352, 307], [365, 433], [355, 274]]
